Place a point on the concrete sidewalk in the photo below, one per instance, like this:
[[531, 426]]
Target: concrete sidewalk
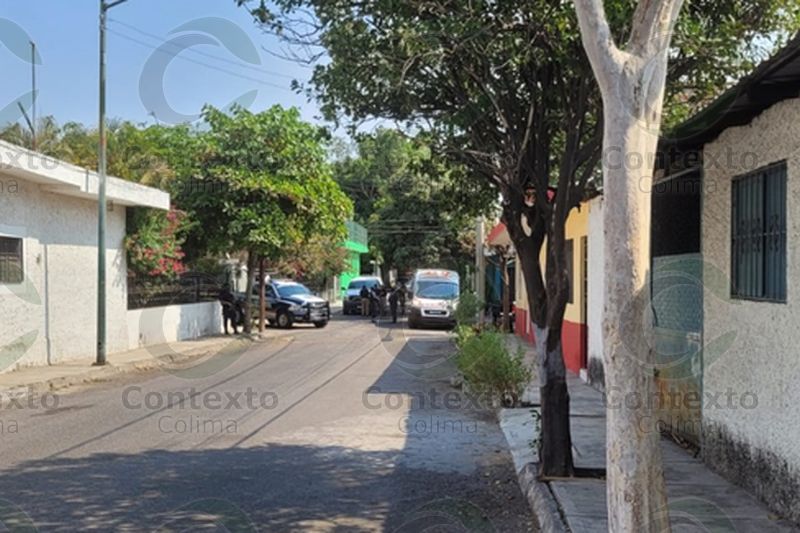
[[39, 379], [699, 499]]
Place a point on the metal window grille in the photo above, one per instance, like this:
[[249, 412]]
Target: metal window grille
[[10, 260], [758, 235]]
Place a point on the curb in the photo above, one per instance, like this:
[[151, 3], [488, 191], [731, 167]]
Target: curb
[[541, 500], [110, 371]]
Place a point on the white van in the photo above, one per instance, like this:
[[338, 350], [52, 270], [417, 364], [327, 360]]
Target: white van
[[434, 297]]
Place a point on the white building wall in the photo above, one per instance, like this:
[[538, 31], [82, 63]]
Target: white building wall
[[596, 290], [751, 352], [157, 325], [52, 316]]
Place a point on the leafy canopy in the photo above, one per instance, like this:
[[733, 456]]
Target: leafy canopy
[[260, 182], [419, 208]]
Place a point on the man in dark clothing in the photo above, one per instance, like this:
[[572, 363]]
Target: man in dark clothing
[[228, 302], [394, 297], [375, 303], [364, 294], [401, 298]]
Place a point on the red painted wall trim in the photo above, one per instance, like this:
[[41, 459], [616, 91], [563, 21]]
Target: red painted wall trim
[[573, 339]]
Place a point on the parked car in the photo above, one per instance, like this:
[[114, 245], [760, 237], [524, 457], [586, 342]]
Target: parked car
[[434, 298], [352, 298], [289, 302]]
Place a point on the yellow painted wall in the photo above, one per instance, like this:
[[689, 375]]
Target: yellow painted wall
[[577, 227]]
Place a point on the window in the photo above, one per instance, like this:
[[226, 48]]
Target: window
[[10, 260], [758, 235]]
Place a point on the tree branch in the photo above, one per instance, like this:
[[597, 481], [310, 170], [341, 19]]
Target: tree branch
[[606, 59], [653, 23]]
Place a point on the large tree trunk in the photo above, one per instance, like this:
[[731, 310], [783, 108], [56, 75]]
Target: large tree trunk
[[632, 84], [636, 490], [555, 444]]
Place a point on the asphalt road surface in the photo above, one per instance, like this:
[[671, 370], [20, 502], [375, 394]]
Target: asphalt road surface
[[349, 428]]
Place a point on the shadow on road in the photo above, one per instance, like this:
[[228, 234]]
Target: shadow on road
[[451, 471]]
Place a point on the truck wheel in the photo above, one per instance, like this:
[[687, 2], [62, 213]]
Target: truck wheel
[[284, 320], [321, 324]]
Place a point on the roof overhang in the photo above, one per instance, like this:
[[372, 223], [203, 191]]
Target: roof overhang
[[59, 177], [774, 80], [498, 236]]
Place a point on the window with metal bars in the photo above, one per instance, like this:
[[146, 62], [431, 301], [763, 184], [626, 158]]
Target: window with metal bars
[[10, 260], [758, 235]]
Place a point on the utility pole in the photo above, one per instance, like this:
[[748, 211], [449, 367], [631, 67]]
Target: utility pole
[[33, 95], [101, 200]]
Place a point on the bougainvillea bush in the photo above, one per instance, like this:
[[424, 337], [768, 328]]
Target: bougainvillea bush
[[154, 243]]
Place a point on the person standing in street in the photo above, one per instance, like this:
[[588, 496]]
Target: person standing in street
[[401, 298], [228, 302], [375, 303], [364, 294], [394, 297]]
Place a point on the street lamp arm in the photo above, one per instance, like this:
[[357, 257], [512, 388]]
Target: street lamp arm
[[106, 7]]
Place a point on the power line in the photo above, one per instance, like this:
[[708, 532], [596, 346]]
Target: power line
[[200, 52], [201, 63]]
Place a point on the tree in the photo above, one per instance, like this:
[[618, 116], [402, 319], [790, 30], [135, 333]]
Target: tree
[[506, 88], [632, 80], [314, 261], [261, 184], [414, 203]]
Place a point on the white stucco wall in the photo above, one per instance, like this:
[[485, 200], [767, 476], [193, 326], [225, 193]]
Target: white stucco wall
[[156, 325], [763, 357], [596, 290], [55, 310]]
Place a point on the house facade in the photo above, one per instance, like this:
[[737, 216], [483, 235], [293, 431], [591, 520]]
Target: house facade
[[751, 238], [575, 330], [356, 244], [48, 258], [739, 163]]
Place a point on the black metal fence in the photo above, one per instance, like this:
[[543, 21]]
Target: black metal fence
[[189, 288]]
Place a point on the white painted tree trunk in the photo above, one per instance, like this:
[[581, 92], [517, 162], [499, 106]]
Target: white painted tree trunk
[[635, 480], [632, 84]]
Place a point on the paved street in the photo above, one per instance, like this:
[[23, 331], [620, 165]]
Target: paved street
[[349, 428]]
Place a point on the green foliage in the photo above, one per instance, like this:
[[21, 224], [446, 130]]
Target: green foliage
[[134, 153], [418, 206], [489, 367], [260, 183], [154, 243], [469, 308], [463, 333], [314, 262]]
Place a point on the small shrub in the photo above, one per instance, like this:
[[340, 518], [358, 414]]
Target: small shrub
[[463, 334], [469, 306], [488, 366]]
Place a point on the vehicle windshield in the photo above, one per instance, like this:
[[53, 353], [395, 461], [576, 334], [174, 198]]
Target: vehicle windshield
[[437, 290], [292, 290], [358, 283]]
